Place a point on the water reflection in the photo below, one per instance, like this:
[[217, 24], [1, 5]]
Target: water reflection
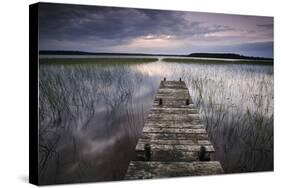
[[92, 115]]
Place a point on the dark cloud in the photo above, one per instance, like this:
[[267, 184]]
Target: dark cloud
[[97, 28], [267, 26], [68, 22]]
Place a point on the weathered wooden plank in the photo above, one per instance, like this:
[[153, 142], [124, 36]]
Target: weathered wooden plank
[[173, 122], [169, 101], [173, 130], [172, 138], [172, 91], [179, 125], [169, 147], [181, 93], [168, 91], [156, 105], [172, 116], [171, 96], [175, 142], [169, 155], [186, 107], [174, 111], [153, 169], [165, 136], [191, 112], [172, 84], [170, 122], [180, 104]]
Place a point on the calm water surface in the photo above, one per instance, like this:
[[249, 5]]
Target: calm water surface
[[92, 115]]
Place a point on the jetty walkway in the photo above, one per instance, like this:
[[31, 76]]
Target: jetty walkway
[[174, 141]]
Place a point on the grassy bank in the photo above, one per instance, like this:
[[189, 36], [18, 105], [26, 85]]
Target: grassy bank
[[95, 60], [216, 61]]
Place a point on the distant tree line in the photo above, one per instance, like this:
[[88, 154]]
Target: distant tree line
[[226, 56], [203, 55]]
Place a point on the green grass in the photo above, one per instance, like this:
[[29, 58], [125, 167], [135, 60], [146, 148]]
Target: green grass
[[216, 61], [71, 61]]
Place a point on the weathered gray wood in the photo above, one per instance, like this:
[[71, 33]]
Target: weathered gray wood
[[168, 147], [173, 119], [152, 169], [167, 90], [175, 142], [172, 138], [166, 136], [171, 99], [173, 130], [170, 155], [180, 104], [176, 95], [174, 116], [172, 124], [184, 111], [157, 106], [169, 122], [172, 84]]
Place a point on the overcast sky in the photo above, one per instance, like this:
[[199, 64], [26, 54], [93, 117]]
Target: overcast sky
[[108, 29]]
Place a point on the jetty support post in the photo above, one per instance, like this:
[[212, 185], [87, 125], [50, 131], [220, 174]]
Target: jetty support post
[[160, 101]]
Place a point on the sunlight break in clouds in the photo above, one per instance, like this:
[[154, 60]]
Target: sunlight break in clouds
[[148, 42], [114, 29]]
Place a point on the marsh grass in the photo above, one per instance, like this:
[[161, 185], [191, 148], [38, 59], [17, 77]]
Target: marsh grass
[[91, 115], [236, 105], [235, 102], [87, 115]]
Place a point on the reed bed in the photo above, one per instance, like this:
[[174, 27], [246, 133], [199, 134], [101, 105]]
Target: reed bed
[[236, 105], [91, 115], [87, 115]]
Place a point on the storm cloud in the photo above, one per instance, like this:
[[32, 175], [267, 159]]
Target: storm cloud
[[111, 29]]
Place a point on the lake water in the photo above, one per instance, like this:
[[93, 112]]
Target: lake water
[[91, 115]]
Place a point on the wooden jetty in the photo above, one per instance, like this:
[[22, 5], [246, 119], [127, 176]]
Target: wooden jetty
[[174, 141]]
